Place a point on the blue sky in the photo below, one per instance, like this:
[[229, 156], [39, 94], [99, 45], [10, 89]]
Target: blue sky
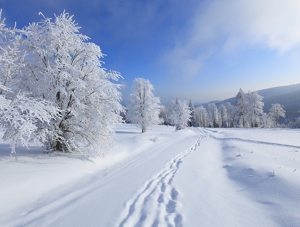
[[199, 50]]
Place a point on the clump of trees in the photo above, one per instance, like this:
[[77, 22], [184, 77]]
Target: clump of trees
[[144, 109], [246, 113], [179, 114], [53, 88]]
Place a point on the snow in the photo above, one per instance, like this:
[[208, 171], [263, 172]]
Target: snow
[[190, 177]]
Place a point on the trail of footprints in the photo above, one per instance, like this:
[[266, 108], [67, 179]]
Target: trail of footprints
[[156, 203]]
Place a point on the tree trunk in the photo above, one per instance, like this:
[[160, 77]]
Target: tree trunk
[[58, 145], [143, 129]]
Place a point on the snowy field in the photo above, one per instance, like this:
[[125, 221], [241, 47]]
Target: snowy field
[[193, 177]]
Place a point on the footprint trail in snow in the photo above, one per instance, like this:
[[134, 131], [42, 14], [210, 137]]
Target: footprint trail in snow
[[156, 203]]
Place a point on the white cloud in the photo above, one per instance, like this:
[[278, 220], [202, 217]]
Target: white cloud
[[227, 25]]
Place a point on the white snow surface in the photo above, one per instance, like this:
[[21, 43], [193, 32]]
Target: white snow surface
[[192, 177]]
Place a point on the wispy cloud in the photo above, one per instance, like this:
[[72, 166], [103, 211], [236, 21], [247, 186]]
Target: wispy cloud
[[223, 26]]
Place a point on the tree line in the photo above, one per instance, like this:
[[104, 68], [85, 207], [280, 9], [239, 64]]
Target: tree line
[[246, 113], [145, 110]]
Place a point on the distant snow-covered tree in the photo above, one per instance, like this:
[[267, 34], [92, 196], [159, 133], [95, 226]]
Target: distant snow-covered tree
[[266, 121], [294, 124], [201, 117], [180, 114], [164, 115], [241, 103], [213, 115], [144, 107], [62, 67], [231, 114], [192, 109], [255, 108], [223, 116], [276, 112]]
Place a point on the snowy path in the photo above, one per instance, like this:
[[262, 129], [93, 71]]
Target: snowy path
[[99, 198], [156, 203]]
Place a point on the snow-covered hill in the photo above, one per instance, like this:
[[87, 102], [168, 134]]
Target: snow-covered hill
[[193, 177]]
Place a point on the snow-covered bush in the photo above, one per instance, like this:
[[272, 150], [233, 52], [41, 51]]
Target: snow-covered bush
[[144, 107]]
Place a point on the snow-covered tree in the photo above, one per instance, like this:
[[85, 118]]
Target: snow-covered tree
[[180, 114], [62, 67], [295, 124], [231, 114], [192, 109], [255, 108], [144, 107], [201, 117], [223, 116], [241, 103], [266, 121], [164, 115], [213, 115], [276, 112], [20, 115]]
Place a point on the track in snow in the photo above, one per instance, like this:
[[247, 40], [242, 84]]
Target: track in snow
[[156, 203], [251, 141]]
